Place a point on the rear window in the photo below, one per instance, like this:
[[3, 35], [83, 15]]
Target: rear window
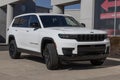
[[21, 21]]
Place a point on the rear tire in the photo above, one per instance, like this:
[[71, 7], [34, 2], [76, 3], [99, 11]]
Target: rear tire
[[13, 52], [97, 62], [51, 57]]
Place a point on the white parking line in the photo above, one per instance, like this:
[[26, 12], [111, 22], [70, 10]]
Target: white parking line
[[114, 59]]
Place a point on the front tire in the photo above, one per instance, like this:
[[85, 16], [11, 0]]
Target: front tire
[[97, 62], [14, 54], [51, 57]]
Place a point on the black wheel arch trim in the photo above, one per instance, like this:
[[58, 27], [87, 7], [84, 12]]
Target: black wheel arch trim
[[11, 37], [46, 39]]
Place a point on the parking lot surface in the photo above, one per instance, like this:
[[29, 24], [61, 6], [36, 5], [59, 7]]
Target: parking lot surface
[[33, 68]]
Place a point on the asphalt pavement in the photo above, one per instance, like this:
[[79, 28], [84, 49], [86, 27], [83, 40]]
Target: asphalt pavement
[[33, 68]]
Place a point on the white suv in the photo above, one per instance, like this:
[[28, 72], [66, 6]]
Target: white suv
[[56, 37]]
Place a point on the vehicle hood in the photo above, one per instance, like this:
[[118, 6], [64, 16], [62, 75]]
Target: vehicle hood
[[76, 30]]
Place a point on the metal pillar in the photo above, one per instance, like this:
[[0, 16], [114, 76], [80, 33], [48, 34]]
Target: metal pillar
[[87, 13], [9, 15], [115, 18]]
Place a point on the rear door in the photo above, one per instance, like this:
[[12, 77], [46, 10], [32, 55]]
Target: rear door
[[19, 29]]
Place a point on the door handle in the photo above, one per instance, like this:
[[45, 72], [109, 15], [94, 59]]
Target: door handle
[[16, 30]]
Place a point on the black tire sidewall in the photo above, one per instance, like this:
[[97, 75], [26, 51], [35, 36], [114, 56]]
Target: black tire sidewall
[[14, 54], [46, 56], [97, 62], [53, 61]]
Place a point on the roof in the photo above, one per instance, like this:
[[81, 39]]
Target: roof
[[42, 14], [5, 2], [42, 7]]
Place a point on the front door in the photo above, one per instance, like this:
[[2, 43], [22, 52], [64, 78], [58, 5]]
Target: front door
[[33, 34]]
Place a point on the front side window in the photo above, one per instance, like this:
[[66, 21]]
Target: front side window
[[59, 21], [34, 22]]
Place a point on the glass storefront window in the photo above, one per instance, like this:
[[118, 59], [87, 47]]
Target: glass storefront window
[[107, 16]]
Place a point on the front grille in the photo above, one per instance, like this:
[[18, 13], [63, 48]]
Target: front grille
[[91, 37], [91, 49]]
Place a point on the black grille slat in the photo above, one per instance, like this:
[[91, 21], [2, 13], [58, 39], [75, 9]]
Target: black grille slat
[[91, 37]]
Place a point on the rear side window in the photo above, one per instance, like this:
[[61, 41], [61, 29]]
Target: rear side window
[[21, 21], [16, 22]]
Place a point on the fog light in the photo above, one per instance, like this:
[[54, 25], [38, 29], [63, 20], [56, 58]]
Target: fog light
[[67, 51]]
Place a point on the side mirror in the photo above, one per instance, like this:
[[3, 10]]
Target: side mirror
[[34, 25], [83, 24]]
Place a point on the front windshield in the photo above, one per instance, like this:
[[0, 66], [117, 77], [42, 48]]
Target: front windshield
[[59, 21]]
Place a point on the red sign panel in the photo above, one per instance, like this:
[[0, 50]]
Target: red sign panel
[[105, 13], [108, 4]]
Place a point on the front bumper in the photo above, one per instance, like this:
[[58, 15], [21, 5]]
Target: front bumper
[[83, 58], [85, 53], [72, 50]]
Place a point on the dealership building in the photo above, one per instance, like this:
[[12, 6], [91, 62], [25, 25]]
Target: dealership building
[[98, 14], [11, 8]]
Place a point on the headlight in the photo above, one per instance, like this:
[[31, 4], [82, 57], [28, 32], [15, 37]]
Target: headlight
[[67, 36]]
